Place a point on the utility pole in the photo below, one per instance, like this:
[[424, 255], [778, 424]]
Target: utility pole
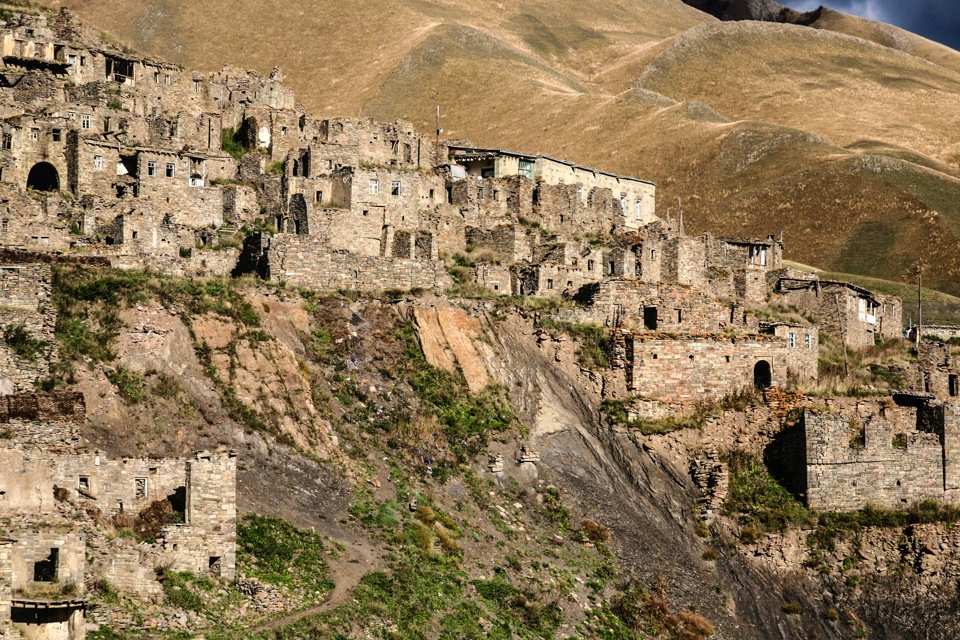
[[919, 301], [843, 339], [680, 207], [439, 131]]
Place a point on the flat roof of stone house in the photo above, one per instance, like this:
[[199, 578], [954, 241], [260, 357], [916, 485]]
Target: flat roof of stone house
[[750, 241], [480, 153], [809, 282]]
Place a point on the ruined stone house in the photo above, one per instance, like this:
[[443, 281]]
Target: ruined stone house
[[861, 317], [886, 453]]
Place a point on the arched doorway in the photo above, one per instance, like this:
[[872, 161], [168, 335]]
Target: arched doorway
[[762, 375], [43, 177]]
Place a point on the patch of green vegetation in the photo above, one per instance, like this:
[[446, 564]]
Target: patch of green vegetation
[[617, 412], [231, 143], [635, 613], [594, 341], [467, 420], [758, 501], [275, 168], [19, 339], [180, 590], [276, 552], [520, 608], [831, 526], [89, 301], [132, 387]]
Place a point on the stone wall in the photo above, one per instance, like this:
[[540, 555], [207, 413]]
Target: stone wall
[[884, 459], [687, 370], [25, 303], [6, 584], [938, 331], [665, 307], [307, 261], [34, 543], [207, 540]]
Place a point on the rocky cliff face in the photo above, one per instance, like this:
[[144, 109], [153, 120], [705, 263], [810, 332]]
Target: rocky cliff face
[[466, 442]]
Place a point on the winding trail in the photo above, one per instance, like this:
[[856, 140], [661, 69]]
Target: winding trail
[[357, 559]]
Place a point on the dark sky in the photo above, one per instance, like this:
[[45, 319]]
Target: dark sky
[[934, 19]]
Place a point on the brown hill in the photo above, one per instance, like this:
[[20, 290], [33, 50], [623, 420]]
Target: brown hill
[[845, 135]]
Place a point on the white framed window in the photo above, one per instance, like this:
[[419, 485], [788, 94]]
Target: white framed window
[[374, 187], [623, 204], [639, 210], [85, 121], [808, 339], [171, 170], [97, 163], [792, 340], [72, 60], [580, 193], [34, 134], [151, 168], [196, 86], [395, 188], [71, 115], [7, 141], [166, 79]]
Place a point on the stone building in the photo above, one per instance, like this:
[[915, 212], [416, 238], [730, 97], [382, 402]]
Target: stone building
[[841, 309], [886, 453], [684, 370], [27, 321], [50, 487]]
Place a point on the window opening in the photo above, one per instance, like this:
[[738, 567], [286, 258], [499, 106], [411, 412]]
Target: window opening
[[140, 488]]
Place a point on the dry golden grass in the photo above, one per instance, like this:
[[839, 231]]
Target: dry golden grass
[[889, 36]]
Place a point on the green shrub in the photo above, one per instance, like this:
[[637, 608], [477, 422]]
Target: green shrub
[[23, 344], [277, 552], [231, 143], [594, 341], [131, 386], [757, 499], [467, 420], [179, 592]]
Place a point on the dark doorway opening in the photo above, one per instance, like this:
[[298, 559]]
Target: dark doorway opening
[[650, 318], [46, 570], [762, 375], [43, 177]]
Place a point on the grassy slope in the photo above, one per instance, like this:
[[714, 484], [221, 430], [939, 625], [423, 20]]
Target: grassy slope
[[757, 126]]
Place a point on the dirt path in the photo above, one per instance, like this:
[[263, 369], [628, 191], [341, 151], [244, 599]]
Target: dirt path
[[357, 559]]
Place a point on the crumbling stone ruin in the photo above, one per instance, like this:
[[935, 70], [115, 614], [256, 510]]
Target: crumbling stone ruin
[[56, 496], [886, 453]]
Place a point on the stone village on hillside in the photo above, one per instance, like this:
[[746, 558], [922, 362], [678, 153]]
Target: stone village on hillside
[[114, 159]]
